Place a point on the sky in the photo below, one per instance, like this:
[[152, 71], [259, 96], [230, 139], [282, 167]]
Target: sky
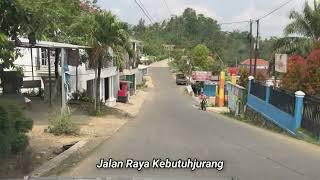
[[221, 10]]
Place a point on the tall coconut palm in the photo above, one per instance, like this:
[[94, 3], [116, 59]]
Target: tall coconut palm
[[307, 23], [110, 33], [302, 33]]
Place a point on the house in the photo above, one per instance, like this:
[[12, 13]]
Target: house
[[83, 79], [262, 66], [130, 71], [39, 69]]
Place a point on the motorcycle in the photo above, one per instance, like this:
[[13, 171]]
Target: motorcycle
[[203, 104]]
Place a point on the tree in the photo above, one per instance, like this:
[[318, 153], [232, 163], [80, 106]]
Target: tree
[[293, 45], [190, 29], [312, 81], [307, 23], [200, 57], [13, 128], [49, 20], [108, 33], [244, 74], [293, 80], [12, 18]]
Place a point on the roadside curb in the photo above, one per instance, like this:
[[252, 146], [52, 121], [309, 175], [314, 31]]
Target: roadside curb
[[58, 160]]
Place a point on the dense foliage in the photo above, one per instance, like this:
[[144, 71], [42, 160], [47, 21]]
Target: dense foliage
[[303, 74], [189, 30], [306, 26], [13, 128]]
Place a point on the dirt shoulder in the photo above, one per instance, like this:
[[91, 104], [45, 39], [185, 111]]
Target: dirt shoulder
[[45, 147]]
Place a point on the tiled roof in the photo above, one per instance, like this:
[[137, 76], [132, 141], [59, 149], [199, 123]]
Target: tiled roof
[[260, 62]]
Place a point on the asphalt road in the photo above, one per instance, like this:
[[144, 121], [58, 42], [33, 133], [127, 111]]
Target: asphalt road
[[170, 127]]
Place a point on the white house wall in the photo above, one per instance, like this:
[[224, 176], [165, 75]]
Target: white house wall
[[24, 61], [85, 75]]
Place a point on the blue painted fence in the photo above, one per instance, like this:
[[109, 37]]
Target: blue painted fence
[[283, 119]]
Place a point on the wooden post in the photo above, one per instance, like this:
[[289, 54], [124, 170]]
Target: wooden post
[[63, 79], [77, 78], [32, 63], [251, 46], [256, 52], [49, 69]]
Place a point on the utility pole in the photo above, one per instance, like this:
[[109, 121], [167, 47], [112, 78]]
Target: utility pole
[[251, 47], [256, 50]]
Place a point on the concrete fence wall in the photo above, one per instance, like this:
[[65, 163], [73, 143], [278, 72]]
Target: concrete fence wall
[[290, 123], [236, 98]]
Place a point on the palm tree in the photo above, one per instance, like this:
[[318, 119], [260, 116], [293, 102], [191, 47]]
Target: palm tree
[[302, 33], [293, 45], [109, 33], [307, 23]]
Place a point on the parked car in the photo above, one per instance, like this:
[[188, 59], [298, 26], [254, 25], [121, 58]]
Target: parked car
[[181, 79]]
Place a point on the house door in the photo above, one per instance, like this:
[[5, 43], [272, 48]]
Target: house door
[[90, 89], [106, 88]]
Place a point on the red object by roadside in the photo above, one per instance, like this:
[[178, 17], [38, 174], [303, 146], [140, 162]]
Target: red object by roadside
[[123, 89], [123, 95]]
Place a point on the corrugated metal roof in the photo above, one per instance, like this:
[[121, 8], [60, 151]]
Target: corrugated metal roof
[[49, 44]]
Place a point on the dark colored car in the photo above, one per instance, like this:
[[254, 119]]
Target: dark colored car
[[181, 79]]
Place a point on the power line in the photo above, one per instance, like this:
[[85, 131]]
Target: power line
[[144, 12], [276, 9], [166, 4], [262, 17], [234, 22], [145, 9]]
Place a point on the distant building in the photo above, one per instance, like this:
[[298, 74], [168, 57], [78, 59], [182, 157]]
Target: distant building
[[262, 67], [261, 64]]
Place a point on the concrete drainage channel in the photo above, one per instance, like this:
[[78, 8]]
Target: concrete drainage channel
[[58, 160]]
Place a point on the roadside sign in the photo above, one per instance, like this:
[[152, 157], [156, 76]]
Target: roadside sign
[[201, 76], [281, 61]]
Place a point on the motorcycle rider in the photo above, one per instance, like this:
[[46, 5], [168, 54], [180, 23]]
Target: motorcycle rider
[[203, 101]]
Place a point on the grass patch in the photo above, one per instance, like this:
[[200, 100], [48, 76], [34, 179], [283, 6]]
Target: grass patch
[[308, 136], [61, 124], [256, 119]]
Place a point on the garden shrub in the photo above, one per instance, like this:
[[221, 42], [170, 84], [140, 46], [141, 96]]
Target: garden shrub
[[13, 128], [82, 96], [244, 74], [62, 125]]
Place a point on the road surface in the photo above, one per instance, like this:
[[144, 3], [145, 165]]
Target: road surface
[[170, 127]]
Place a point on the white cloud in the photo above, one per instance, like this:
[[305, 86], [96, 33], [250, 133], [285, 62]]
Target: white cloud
[[116, 11], [273, 25]]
